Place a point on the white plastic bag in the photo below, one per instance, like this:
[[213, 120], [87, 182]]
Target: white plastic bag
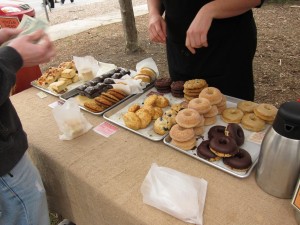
[[175, 193], [70, 120]]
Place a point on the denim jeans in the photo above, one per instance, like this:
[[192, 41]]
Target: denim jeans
[[22, 196]]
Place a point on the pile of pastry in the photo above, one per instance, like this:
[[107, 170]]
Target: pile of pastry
[[140, 116], [57, 79]]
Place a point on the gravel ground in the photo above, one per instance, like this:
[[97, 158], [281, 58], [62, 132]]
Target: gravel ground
[[69, 12]]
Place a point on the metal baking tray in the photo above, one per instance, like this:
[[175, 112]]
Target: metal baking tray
[[253, 147], [115, 115], [69, 88], [73, 93], [104, 68]]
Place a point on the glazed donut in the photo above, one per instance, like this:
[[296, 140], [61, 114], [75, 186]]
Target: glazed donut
[[132, 121], [181, 134], [201, 105], [266, 112], [201, 121], [212, 94], [223, 146], [216, 131], [199, 130], [253, 123], [185, 145], [210, 120], [212, 112], [240, 162], [223, 102], [234, 131], [232, 115], [247, 106], [221, 109], [203, 151], [188, 118]]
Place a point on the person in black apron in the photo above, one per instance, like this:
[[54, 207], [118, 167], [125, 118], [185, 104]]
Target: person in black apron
[[211, 40]]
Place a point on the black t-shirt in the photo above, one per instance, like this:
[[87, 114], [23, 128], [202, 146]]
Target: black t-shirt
[[229, 55]]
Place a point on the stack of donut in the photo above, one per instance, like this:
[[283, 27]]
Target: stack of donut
[[208, 104], [252, 116], [225, 143], [139, 117], [192, 88], [215, 97], [183, 133]]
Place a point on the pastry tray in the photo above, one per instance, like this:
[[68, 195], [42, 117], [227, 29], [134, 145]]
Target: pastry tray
[[115, 115], [251, 144], [104, 68], [73, 93]]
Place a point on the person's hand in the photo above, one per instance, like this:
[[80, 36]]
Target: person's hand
[[35, 48], [8, 33], [157, 29], [196, 35]]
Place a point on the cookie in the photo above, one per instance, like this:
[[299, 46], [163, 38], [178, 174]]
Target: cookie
[[110, 97], [163, 85], [195, 84], [177, 89], [117, 93], [177, 85], [103, 102], [91, 105]]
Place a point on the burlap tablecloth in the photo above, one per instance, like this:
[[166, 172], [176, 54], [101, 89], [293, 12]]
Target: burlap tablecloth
[[94, 180]]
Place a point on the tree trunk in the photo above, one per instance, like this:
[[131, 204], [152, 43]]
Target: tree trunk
[[129, 27]]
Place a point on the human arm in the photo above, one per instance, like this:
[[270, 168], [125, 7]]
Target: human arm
[[21, 51], [35, 48], [157, 24], [196, 36], [8, 33]]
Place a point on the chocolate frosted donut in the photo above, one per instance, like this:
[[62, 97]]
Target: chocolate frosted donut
[[223, 146], [241, 161], [216, 131], [203, 151], [236, 132]]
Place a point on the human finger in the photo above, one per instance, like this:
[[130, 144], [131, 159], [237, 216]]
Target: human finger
[[188, 45]]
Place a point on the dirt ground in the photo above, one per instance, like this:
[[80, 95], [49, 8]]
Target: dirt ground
[[276, 64]]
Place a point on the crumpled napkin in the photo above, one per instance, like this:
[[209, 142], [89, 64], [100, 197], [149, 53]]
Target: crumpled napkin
[[129, 85]]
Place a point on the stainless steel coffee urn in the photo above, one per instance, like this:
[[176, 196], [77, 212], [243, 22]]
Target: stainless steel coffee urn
[[278, 166]]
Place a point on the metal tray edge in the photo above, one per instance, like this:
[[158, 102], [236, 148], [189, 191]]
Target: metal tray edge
[[44, 89], [166, 141]]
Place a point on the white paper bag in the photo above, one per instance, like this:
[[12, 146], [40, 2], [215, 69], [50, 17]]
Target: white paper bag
[[70, 120], [178, 194]]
